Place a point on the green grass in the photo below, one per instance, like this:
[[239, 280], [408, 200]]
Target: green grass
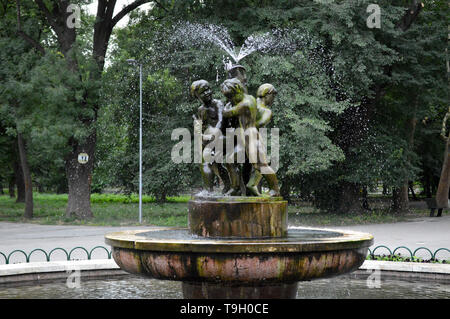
[[108, 210], [122, 210], [309, 216]]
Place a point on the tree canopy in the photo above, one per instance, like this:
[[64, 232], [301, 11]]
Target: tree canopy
[[357, 106]]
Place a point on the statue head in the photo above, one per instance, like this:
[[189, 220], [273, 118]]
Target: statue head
[[201, 90], [233, 90], [267, 93], [238, 72]]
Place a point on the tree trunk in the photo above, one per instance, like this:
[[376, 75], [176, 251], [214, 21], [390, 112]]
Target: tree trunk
[[285, 190], [411, 188], [11, 187], [365, 198], [161, 197], [349, 200], [400, 198], [79, 177], [18, 174], [444, 181], [26, 177], [427, 184]]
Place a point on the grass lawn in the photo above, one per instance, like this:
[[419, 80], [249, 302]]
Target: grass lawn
[[108, 209], [122, 210]]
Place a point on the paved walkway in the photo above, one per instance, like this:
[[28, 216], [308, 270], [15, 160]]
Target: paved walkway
[[433, 233], [27, 237], [430, 232]]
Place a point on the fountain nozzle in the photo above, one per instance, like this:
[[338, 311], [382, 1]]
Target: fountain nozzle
[[238, 71]]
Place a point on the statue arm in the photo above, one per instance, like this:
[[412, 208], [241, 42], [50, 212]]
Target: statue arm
[[200, 116], [265, 118], [219, 114], [201, 113], [235, 110]]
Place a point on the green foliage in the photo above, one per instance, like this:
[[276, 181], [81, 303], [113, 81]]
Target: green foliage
[[162, 113], [300, 78], [400, 258], [347, 94], [41, 96]]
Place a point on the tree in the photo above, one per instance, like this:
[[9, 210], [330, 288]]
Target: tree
[[370, 67], [442, 193], [17, 60], [86, 67]]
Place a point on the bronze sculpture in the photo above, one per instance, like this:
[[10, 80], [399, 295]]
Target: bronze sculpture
[[265, 96], [243, 114], [210, 115], [264, 99]]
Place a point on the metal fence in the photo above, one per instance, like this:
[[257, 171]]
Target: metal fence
[[412, 254], [48, 256], [69, 254]]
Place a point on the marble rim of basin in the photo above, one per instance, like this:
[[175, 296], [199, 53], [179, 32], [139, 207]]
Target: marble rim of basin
[[130, 239], [260, 262]]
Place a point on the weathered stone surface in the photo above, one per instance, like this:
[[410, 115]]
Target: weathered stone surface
[[238, 217], [239, 268], [208, 290]]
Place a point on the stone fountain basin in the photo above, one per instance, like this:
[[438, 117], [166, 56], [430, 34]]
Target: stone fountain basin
[[174, 254]]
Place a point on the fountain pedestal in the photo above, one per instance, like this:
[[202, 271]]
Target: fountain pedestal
[[238, 217], [218, 261], [207, 290]]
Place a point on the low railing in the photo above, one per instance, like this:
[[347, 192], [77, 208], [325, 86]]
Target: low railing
[[48, 256], [412, 254], [69, 254]]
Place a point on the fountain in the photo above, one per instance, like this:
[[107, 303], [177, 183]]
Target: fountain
[[238, 244]]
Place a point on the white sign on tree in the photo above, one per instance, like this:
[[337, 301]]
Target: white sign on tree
[[83, 158]]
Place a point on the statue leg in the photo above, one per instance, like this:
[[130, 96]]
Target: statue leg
[[272, 181], [207, 176], [252, 185], [233, 174], [268, 173], [223, 174], [242, 187]]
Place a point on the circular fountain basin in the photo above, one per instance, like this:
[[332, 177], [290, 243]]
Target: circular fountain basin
[[275, 265]]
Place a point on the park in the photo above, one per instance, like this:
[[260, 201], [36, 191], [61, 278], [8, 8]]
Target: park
[[224, 150]]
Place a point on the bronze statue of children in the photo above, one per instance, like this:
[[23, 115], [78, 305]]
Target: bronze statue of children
[[265, 96], [264, 99], [243, 106], [210, 113]]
